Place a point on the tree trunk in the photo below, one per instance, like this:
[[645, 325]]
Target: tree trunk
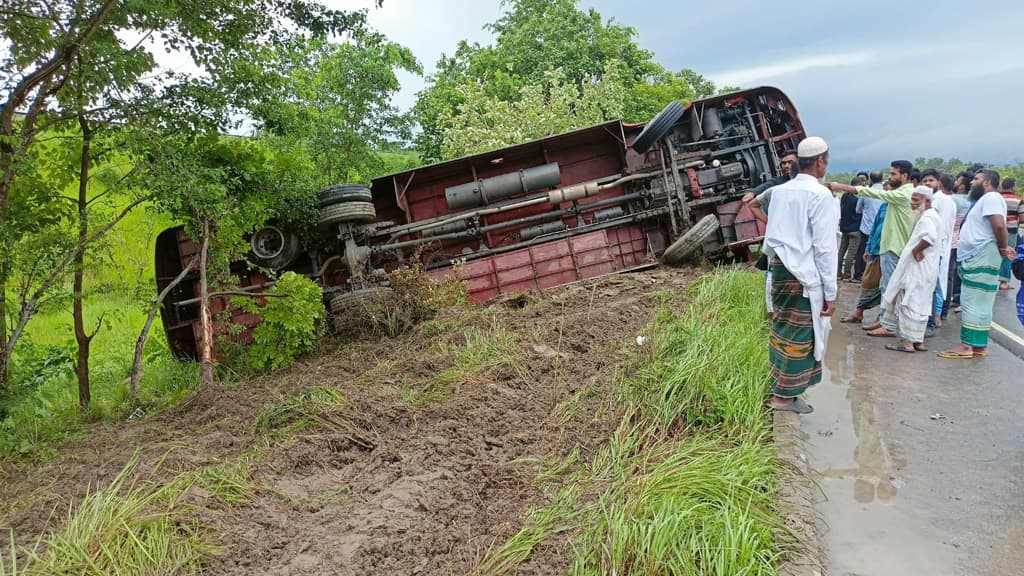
[[3, 316], [81, 337], [206, 322], [140, 344], [6, 177]]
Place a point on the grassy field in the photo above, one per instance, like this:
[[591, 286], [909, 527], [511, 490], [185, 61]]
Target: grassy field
[[43, 406]]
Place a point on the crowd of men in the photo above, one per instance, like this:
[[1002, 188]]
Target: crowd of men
[[920, 244]]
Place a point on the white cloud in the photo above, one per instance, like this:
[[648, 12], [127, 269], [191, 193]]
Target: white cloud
[[747, 76]]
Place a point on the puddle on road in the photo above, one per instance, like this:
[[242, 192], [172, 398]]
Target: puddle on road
[[845, 427], [865, 528]]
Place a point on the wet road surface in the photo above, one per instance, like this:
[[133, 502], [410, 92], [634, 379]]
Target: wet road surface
[[1008, 330], [920, 460]]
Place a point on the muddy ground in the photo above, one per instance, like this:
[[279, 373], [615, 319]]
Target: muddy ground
[[402, 480]]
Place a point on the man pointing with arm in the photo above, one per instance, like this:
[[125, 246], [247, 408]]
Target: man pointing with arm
[[899, 221]]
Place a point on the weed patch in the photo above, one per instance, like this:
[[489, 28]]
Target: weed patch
[[413, 297], [300, 410]]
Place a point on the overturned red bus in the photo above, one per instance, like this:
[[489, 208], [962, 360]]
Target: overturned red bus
[[590, 202]]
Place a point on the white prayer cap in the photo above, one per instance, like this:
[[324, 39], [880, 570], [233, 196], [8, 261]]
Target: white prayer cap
[[811, 147], [924, 191]]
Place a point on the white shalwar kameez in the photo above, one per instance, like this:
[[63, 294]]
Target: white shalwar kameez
[[908, 297]]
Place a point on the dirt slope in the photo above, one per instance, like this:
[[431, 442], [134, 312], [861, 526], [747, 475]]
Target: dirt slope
[[410, 477]]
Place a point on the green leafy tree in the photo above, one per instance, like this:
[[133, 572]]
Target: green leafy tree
[[336, 97], [552, 106], [533, 38], [68, 61]]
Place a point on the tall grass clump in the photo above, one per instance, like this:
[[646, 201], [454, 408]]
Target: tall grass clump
[[710, 363], [124, 528], [411, 298], [300, 410], [690, 474], [686, 483]]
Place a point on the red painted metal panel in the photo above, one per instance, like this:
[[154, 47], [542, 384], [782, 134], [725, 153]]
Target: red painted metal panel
[[545, 265]]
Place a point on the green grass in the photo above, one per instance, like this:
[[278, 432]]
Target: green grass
[[229, 482], [41, 406], [301, 410], [124, 528], [473, 356], [479, 355], [9, 563], [137, 526], [686, 483]]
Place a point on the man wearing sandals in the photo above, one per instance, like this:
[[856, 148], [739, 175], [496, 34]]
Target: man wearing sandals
[[983, 245], [802, 235], [907, 302], [899, 221]]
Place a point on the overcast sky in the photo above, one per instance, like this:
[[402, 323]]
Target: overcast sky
[[878, 80]]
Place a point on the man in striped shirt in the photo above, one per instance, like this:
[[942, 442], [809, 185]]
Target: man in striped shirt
[[1013, 206]]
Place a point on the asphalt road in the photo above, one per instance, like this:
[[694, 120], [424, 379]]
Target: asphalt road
[[920, 460], [1008, 331]]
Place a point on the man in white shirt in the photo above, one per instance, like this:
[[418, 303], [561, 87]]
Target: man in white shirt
[[946, 208], [802, 235], [983, 245]]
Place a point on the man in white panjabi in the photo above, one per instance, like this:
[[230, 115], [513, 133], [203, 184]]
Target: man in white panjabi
[[802, 235], [907, 301]]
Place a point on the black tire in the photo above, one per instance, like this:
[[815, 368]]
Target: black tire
[[347, 301], [274, 248], [347, 212], [344, 193], [689, 244], [659, 126]]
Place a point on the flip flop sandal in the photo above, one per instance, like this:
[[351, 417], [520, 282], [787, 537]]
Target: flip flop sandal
[[949, 355], [798, 406], [871, 327], [899, 347], [875, 334], [850, 320], [982, 354], [920, 348]]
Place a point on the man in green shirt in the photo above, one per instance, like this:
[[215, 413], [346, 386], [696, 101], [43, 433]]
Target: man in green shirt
[[899, 222]]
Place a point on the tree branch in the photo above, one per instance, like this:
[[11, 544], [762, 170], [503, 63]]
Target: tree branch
[[29, 308], [140, 345], [47, 69], [249, 294], [99, 324]]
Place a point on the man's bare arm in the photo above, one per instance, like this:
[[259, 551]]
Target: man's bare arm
[[998, 224], [757, 211], [918, 250]]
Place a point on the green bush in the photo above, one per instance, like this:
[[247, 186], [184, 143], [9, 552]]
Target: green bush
[[292, 319]]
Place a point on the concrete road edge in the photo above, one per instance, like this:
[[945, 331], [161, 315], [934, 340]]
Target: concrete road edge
[[1007, 339], [796, 495]]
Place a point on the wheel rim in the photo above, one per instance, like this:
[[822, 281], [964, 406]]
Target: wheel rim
[[267, 243]]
